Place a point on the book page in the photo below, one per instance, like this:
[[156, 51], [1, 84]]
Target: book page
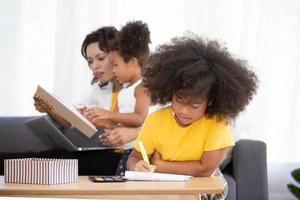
[[69, 113], [147, 176]]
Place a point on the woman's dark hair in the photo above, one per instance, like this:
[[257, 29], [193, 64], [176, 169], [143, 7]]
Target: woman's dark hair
[[201, 69], [106, 38], [133, 41]]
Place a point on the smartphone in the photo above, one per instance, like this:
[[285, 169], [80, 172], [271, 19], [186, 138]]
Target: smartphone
[[107, 179]]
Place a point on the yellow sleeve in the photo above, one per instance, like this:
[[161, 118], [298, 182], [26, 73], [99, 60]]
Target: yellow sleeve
[[145, 136], [219, 137]]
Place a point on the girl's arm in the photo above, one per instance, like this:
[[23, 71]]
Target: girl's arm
[[209, 162], [134, 158], [140, 111], [134, 119]]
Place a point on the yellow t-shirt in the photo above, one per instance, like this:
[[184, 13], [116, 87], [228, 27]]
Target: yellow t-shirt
[[113, 101], [162, 133]]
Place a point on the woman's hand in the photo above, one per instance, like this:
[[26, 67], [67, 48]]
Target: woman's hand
[[41, 105], [118, 136], [142, 166]]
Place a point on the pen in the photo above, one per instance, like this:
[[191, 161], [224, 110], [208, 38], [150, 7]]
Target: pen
[[143, 152]]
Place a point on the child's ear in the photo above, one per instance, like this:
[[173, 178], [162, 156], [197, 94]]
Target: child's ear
[[133, 62]]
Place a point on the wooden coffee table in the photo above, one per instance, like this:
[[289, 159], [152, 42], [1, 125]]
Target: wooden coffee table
[[121, 190]]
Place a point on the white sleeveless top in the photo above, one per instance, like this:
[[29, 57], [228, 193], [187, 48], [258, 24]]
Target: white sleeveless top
[[126, 103], [126, 98], [99, 97]]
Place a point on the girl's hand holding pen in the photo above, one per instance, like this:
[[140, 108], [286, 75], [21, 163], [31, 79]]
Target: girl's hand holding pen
[[142, 166]]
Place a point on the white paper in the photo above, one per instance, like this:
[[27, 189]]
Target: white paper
[[69, 113], [147, 176]]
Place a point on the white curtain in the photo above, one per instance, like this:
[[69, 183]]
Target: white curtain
[[40, 43]]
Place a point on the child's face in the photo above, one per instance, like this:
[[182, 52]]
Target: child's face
[[99, 62], [188, 109], [121, 69]]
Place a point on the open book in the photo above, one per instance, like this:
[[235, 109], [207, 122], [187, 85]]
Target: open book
[[69, 113], [147, 176]]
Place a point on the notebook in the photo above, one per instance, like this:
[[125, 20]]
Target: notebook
[[54, 137], [147, 176], [69, 113]]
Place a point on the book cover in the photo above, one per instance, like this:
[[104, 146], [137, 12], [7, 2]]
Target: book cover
[[69, 113]]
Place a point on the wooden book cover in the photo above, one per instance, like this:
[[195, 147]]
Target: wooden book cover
[[69, 113]]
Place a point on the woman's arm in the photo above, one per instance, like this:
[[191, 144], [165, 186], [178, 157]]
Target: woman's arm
[[209, 162]]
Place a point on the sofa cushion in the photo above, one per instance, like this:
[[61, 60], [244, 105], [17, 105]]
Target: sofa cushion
[[17, 137]]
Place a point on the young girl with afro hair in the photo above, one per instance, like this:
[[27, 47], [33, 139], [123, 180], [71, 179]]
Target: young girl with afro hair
[[207, 87]]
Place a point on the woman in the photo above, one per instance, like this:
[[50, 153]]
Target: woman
[[105, 88], [104, 91]]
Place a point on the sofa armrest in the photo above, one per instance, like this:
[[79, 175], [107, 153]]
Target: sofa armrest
[[249, 161]]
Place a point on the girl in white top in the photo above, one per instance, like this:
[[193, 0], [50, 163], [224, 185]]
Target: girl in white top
[[128, 59]]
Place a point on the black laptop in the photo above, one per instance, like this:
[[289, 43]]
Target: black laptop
[[69, 139]]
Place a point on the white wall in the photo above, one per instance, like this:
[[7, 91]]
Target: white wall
[[279, 175]]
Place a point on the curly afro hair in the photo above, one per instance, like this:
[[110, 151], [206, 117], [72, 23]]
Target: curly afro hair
[[133, 41], [200, 68]]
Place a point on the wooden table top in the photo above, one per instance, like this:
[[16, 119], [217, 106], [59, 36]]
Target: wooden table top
[[85, 187]]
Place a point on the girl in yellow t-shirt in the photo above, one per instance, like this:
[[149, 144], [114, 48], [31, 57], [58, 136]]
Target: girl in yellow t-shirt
[[206, 87]]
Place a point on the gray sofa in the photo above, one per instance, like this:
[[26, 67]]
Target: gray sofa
[[18, 141], [245, 171]]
